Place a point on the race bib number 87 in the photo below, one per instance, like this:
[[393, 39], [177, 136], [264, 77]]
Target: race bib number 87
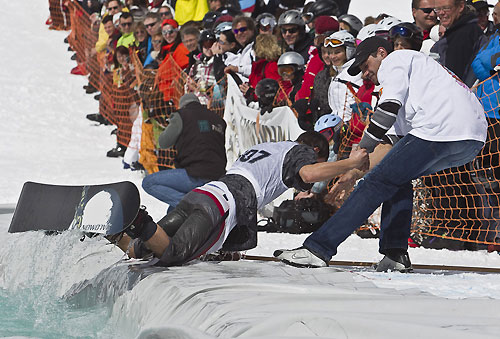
[[253, 155]]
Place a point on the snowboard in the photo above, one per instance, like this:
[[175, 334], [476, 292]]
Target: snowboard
[[104, 209]]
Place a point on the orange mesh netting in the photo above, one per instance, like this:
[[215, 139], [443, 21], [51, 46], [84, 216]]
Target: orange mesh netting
[[59, 15]]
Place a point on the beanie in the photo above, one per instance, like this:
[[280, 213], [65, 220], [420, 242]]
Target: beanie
[[325, 24]]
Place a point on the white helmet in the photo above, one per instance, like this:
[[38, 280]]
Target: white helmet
[[327, 121], [347, 40], [366, 32], [291, 58], [386, 24], [222, 27]]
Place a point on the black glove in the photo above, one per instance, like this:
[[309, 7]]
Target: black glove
[[143, 227]]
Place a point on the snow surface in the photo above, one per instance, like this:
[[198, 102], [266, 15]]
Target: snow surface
[[46, 138]]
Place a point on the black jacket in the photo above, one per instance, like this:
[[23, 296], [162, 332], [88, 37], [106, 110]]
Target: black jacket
[[459, 45]]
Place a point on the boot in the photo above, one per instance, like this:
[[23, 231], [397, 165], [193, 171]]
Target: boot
[[116, 152], [395, 259]]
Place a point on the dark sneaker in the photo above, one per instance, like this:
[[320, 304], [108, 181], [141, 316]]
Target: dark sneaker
[[91, 89], [395, 261], [97, 97], [98, 118], [116, 152], [73, 57], [300, 257]]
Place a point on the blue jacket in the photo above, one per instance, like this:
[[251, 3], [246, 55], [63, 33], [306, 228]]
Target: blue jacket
[[483, 65]]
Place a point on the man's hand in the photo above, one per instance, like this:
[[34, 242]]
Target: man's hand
[[341, 189], [361, 158], [304, 195]]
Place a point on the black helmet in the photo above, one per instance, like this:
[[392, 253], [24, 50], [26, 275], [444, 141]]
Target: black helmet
[[409, 31], [321, 7], [353, 21], [209, 19], [266, 90], [206, 35]]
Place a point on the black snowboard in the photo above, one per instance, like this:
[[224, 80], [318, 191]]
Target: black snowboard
[[105, 209]]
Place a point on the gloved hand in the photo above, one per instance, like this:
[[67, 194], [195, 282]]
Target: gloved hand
[[305, 118], [362, 109]]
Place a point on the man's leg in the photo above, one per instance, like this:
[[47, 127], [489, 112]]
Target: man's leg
[[171, 185], [409, 159]]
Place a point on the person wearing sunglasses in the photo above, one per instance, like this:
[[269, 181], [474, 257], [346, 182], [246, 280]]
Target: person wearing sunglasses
[[157, 43], [225, 49], [127, 29], [462, 39], [174, 45], [293, 33], [166, 12], [244, 30], [424, 15]]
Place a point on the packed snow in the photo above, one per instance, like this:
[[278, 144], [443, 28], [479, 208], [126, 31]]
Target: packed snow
[[46, 138]]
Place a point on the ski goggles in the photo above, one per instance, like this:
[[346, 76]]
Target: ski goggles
[[330, 42], [328, 133], [286, 70], [401, 31]]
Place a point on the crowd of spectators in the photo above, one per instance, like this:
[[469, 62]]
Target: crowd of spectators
[[302, 47]]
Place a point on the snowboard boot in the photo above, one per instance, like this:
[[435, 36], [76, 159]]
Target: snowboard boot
[[116, 152], [395, 260], [143, 227]]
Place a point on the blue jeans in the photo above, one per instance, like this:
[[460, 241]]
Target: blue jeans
[[171, 185], [390, 183]]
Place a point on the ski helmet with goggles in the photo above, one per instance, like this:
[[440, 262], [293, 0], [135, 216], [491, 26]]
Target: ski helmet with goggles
[[291, 58], [366, 32], [385, 25], [291, 17], [409, 31], [342, 38], [328, 124], [321, 7], [266, 19], [353, 21]]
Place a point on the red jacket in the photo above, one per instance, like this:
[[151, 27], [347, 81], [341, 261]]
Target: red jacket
[[263, 69], [314, 65]]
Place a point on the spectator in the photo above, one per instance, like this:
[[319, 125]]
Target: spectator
[[174, 46], [350, 23], [293, 33], [265, 23], [291, 70], [319, 8], [152, 60], [190, 37], [406, 35], [244, 31], [340, 96], [462, 38], [201, 74], [152, 23], [165, 12], [141, 41], [127, 39], [325, 26], [424, 15], [267, 53], [483, 13], [198, 136], [384, 25], [225, 49]]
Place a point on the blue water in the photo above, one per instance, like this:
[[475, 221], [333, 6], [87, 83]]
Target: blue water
[[35, 313]]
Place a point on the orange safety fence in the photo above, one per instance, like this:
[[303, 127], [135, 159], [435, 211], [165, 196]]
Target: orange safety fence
[[458, 204], [59, 15]]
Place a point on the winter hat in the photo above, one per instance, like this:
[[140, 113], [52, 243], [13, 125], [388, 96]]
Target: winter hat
[[170, 22], [186, 99], [325, 24]]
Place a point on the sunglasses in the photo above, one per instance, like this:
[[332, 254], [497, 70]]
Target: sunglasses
[[150, 25], [128, 24], [222, 42], [165, 13], [156, 41], [169, 31], [240, 30], [445, 9], [292, 30], [112, 8], [427, 10], [332, 42]]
